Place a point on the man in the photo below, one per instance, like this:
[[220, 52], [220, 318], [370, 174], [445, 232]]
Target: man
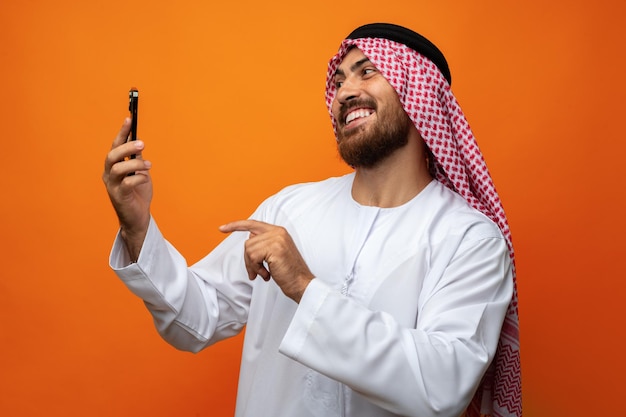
[[385, 292]]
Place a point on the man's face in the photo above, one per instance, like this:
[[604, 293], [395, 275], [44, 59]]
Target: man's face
[[370, 121]]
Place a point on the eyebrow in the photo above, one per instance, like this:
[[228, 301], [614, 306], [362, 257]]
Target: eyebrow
[[353, 67]]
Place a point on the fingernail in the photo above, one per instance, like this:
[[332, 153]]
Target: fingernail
[[138, 144]]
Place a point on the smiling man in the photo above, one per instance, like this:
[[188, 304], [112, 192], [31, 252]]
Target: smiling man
[[386, 292], [364, 142]]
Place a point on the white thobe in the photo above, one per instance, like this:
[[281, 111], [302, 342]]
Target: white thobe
[[402, 318]]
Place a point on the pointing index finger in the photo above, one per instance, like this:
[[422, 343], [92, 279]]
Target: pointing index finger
[[252, 226]]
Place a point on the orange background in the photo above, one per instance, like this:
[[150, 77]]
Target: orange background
[[232, 110]]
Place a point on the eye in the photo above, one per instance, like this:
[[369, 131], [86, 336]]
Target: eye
[[338, 83], [369, 71]]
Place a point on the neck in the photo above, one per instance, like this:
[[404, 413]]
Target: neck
[[395, 180]]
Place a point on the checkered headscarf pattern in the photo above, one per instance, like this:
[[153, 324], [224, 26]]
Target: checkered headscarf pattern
[[428, 100]]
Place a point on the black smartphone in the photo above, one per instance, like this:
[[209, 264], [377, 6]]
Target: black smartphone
[[133, 103]]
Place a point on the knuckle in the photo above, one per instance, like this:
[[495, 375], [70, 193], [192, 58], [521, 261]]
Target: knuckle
[[115, 170], [108, 160]]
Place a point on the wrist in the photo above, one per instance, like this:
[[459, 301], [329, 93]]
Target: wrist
[[299, 292], [133, 241]]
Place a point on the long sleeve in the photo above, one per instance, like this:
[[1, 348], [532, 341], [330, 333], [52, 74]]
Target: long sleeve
[[430, 370], [188, 313]]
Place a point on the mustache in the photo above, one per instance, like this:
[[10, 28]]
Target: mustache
[[346, 108]]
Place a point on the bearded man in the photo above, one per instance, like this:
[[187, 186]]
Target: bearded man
[[389, 291]]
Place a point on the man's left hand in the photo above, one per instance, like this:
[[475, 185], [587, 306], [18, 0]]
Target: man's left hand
[[274, 246]]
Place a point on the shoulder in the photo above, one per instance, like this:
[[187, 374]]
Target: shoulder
[[316, 187], [452, 215], [460, 235], [303, 196]]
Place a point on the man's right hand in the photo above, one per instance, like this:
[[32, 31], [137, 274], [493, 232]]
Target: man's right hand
[[130, 194]]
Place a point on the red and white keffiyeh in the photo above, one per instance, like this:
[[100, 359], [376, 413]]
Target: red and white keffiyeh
[[428, 100]]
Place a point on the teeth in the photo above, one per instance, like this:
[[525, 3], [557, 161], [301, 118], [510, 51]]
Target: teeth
[[358, 113]]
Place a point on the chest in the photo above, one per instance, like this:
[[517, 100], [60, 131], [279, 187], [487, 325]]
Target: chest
[[378, 257]]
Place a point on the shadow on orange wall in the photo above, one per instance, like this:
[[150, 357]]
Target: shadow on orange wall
[[232, 110]]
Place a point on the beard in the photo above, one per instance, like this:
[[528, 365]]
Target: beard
[[366, 146]]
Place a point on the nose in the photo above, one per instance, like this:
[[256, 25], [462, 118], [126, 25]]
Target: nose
[[349, 90]]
